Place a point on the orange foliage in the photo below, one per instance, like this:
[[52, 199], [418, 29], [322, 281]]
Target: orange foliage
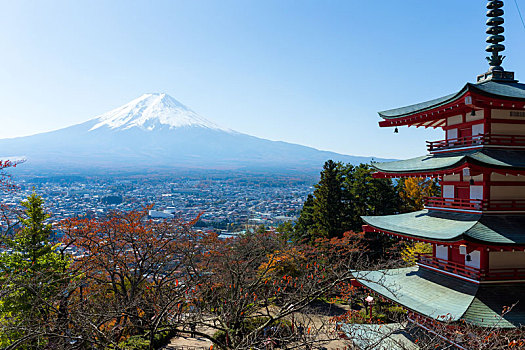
[[281, 263], [130, 268]]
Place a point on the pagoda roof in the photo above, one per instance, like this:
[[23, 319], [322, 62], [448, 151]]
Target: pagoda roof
[[449, 299], [504, 159], [497, 89], [444, 226]]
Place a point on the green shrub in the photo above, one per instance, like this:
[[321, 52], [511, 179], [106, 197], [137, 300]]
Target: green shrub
[[141, 342], [135, 342]]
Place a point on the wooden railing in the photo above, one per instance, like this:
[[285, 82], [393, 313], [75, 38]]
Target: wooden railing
[[503, 274], [475, 204], [454, 203], [449, 266], [477, 140]]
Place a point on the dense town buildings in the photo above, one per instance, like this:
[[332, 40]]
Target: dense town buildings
[[229, 203]]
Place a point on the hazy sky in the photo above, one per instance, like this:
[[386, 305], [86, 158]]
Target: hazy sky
[[308, 72]]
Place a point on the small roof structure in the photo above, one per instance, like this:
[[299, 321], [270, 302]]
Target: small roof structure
[[445, 226], [449, 299], [432, 163], [501, 90]]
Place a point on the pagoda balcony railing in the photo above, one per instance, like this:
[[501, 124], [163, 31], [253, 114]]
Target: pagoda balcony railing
[[477, 205], [454, 203], [501, 274], [477, 140], [449, 266]]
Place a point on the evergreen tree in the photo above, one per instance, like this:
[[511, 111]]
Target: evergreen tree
[[285, 230], [328, 208], [31, 273], [305, 222], [343, 194], [368, 196]]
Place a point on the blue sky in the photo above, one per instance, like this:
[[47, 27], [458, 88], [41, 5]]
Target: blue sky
[[308, 72]]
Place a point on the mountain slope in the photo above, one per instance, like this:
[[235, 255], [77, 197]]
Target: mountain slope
[[155, 131]]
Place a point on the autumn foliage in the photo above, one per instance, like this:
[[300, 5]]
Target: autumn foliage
[[114, 281], [413, 191], [129, 272]]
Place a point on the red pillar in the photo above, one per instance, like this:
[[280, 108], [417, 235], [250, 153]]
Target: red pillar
[[484, 260]]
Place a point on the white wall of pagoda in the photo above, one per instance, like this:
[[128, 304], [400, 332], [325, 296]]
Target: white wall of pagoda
[[442, 252], [475, 259]]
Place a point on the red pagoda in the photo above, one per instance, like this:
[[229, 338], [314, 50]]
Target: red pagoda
[[477, 226]]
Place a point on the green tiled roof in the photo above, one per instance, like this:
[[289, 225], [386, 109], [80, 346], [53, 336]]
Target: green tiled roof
[[434, 225], [499, 229], [436, 295], [450, 226], [487, 306], [515, 91], [418, 107], [421, 164], [431, 294], [486, 157], [504, 90], [499, 158]]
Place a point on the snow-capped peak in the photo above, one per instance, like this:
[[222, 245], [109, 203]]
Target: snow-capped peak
[[151, 111]]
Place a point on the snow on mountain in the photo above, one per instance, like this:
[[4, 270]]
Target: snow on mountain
[[151, 111], [155, 132]]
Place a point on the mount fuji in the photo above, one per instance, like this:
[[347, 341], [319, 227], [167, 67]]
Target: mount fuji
[[155, 132]]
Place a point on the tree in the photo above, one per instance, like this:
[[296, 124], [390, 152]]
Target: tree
[[5, 178], [411, 250], [135, 277], [32, 273], [257, 289], [328, 207], [366, 195], [413, 191], [134, 280], [143, 279], [285, 230], [305, 222], [343, 194]]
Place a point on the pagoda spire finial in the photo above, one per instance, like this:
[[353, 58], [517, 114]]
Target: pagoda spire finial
[[495, 29], [495, 39]]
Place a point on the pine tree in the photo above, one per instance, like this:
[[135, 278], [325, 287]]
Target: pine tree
[[305, 222], [328, 208], [368, 196], [343, 194], [31, 273]]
